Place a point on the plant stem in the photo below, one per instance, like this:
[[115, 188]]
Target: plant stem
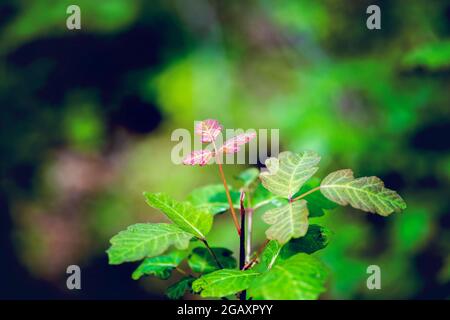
[[305, 194], [242, 256], [181, 271], [212, 253], [249, 214], [248, 239], [263, 246], [230, 202], [258, 253]]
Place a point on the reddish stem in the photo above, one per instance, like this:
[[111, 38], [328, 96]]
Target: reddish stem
[[230, 202], [258, 253]]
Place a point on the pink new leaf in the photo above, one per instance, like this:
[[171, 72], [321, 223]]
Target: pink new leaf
[[208, 130], [200, 157], [233, 145]]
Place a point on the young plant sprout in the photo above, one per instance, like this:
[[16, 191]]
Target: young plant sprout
[[208, 131], [286, 196]]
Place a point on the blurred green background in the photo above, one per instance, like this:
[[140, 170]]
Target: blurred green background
[[87, 115]]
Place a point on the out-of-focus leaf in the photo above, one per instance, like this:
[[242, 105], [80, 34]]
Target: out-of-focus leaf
[[146, 240], [314, 211], [83, 126], [303, 17], [289, 221], [341, 256], [41, 18], [315, 239], [200, 157], [178, 289], [213, 198], [366, 193], [433, 56], [206, 197], [287, 173], [444, 273], [221, 197], [262, 197], [224, 282], [248, 176], [160, 266], [201, 260], [196, 221], [301, 277], [234, 144], [184, 95], [411, 230], [208, 130]]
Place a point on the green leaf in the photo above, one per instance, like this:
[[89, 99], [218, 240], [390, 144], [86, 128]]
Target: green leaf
[[314, 211], [202, 261], [287, 173], [301, 277], [261, 197], [178, 289], [189, 218], [315, 239], [224, 282], [146, 240], [366, 193], [269, 256], [432, 56], [289, 221], [160, 266], [201, 198], [248, 176], [213, 198]]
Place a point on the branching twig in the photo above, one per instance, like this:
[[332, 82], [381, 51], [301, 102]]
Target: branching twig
[[258, 253], [181, 271], [305, 194], [212, 253]]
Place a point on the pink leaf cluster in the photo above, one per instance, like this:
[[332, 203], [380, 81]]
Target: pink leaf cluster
[[208, 130], [234, 144], [200, 157]]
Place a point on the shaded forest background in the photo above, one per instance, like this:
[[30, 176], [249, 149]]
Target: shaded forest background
[[86, 118]]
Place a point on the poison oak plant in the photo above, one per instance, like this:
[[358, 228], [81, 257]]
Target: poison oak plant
[[287, 194]]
